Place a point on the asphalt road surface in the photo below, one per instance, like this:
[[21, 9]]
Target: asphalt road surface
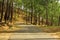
[[25, 29], [29, 36], [29, 33]]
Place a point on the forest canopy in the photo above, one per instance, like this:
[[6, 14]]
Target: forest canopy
[[37, 11]]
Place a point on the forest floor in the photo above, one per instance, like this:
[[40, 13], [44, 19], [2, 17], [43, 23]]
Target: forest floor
[[50, 28]]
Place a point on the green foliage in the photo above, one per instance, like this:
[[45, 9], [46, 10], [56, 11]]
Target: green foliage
[[40, 7]]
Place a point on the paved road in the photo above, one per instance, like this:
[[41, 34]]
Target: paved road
[[29, 36], [29, 33], [37, 39], [26, 29]]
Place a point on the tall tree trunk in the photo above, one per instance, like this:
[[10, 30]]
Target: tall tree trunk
[[6, 13], [8, 10], [36, 19], [59, 21], [2, 11], [31, 12], [46, 17], [26, 16], [46, 14], [11, 10], [42, 20], [39, 19], [51, 20]]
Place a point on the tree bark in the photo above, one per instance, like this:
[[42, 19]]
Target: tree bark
[[59, 21], [51, 20], [2, 11]]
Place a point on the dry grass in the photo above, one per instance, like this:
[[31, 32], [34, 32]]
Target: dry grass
[[50, 29]]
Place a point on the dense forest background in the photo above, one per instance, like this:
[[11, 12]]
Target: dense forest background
[[37, 12]]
